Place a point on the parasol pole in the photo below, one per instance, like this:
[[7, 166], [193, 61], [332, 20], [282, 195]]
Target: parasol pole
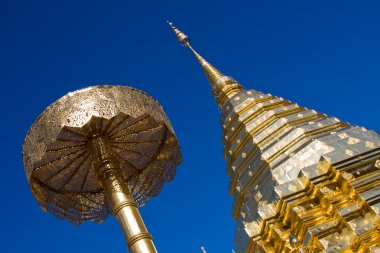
[[125, 209]]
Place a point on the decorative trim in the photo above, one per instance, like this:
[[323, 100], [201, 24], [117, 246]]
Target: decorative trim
[[121, 205], [135, 238]]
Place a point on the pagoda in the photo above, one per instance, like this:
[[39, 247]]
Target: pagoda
[[301, 181]]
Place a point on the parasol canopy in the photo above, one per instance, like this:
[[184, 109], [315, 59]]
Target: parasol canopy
[[59, 166]]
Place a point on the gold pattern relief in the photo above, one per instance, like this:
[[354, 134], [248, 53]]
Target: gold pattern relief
[[301, 181], [325, 215], [63, 178], [102, 150]]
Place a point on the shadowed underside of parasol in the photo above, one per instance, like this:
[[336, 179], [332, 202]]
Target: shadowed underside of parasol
[[65, 183]]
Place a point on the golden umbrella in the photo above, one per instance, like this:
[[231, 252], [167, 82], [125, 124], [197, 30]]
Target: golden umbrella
[[101, 150]]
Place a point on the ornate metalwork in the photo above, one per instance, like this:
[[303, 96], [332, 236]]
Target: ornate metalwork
[[223, 87], [301, 181], [101, 150]]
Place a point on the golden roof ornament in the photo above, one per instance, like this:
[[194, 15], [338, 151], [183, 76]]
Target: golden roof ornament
[[182, 38], [224, 87]]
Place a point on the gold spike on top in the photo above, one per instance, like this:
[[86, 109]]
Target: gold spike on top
[[183, 38], [224, 87]]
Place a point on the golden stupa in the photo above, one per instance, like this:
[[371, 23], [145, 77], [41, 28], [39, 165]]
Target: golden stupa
[[301, 181]]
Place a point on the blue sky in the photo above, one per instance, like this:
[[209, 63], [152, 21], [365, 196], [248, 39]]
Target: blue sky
[[321, 54]]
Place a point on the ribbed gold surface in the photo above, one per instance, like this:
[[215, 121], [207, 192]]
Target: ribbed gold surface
[[110, 175], [285, 198], [59, 165], [301, 181], [223, 87]]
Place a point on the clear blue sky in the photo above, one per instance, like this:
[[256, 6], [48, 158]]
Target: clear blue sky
[[322, 54]]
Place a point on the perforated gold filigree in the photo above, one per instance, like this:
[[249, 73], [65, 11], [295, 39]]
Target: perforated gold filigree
[[59, 165]]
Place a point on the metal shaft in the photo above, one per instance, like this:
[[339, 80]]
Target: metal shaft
[[123, 205]]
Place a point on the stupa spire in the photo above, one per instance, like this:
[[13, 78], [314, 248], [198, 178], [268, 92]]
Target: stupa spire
[[224, 87]]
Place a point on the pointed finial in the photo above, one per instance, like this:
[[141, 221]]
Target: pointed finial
[[224, 87], [184, 40]]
